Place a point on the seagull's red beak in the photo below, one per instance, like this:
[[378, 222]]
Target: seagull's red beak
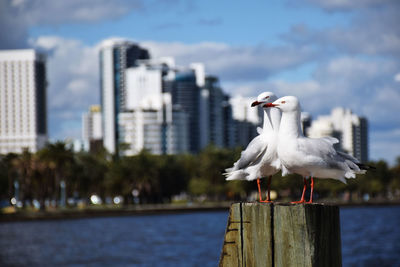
[[270, 105], [255, 103]]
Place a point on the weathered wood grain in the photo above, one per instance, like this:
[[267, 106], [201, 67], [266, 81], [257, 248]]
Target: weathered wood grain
[[231, 254], [257, 234], [260, 234], [307, 235]]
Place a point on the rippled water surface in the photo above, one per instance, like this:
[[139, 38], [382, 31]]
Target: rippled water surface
[[370, 237]]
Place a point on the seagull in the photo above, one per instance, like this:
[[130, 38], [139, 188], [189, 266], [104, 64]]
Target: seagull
[[260, 158], [310, 157]]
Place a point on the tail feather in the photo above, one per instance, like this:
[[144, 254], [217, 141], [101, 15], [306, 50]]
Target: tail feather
[[235, 175], [365, 166], [228, 170], [352, 168]]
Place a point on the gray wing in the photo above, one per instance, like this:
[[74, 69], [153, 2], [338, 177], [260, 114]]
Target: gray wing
[[321, 150], [352, 163], [330, 139], [253, 152], [348, 157]]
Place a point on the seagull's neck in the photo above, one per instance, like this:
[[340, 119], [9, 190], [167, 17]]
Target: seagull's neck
[[272, 118], [290, 125]]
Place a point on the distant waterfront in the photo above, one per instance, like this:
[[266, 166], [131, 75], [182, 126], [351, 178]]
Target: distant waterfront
[[370, 237], [147, 209]]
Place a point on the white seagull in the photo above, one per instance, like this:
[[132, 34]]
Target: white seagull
[[260, 158], [310, 157]]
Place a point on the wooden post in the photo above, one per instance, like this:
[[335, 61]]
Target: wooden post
[[269, 235]]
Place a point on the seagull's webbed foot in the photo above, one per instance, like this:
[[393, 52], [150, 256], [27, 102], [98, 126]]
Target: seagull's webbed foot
[[265, 201], [298, 202]]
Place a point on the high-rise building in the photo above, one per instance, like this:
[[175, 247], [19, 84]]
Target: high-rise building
[[92, 130], [156, 126], [245, 120], [204, 118], [151, 121], [350, 129], [212, 113], [360, 141], [23, 110], [147, 79], [116, 55], [229, 126], [185, 92]]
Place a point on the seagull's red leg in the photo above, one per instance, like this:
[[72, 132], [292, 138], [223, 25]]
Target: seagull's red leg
[[259, 191], [269, 189], [312, 190], [302, 195]]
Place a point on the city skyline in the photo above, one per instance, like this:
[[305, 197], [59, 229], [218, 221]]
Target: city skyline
[[344, 51]]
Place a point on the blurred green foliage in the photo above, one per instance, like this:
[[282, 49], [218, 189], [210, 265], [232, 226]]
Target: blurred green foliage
[[157, 178]]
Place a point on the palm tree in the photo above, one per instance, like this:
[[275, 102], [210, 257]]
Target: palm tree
[[89, 172], [58, 158], [9, 174], [23, 167]]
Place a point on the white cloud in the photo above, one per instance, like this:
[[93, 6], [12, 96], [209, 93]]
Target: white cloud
[[397, 77], [72, 72], [234, 62], [372, 30], [354, 82], [348, 5], [56, 12], [17, 16]]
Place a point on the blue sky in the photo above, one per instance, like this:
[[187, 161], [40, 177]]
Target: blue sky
[[236, 23], [327, 52]]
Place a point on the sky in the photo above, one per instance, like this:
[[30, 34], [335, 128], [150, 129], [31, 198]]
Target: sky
[[328, 53]]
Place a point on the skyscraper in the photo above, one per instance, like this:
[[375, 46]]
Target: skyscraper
[[23, 110], [156, 126], [92, 130], [147, 79], [360, 141], [229, 133], [186, 95], [350, 129], [151, 121], [116, 55], [212, 113]]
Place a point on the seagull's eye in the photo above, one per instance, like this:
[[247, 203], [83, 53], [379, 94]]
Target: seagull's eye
[[283, 102], [266, 97]]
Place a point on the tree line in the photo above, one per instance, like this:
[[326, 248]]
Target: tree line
[[157, 178]]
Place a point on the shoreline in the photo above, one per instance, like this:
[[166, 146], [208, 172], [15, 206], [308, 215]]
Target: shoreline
[[93, 212], [148, 209]]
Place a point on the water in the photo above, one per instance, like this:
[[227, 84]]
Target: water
[[370, 237]]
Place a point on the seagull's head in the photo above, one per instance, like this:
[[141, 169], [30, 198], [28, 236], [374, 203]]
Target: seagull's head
[[264, 98], [285, 104]]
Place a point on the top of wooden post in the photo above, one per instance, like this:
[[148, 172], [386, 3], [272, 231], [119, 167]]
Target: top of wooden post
[[282, 234]]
